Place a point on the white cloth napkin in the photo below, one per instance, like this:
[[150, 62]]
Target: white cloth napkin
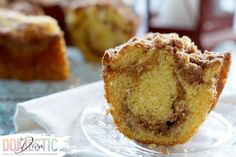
[[59, 113]]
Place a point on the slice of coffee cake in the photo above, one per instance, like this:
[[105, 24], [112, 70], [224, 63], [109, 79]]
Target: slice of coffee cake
[[160, 87]]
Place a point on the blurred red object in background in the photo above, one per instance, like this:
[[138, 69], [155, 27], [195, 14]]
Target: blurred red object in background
[[211, 21]]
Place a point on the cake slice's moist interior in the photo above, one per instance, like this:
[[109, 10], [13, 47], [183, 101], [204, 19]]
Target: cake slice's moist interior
[[152, 96]]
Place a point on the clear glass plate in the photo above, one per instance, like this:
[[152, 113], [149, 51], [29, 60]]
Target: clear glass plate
[[215, 136], [81, 73]]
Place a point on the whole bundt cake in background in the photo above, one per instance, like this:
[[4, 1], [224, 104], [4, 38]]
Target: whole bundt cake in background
[[96, 25], [160, 87], [31, 48]]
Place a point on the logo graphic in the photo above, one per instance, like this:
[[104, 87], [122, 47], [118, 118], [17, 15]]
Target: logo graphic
[[33, 144]]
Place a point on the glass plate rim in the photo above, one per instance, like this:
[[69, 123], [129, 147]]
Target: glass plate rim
[[107, 151]]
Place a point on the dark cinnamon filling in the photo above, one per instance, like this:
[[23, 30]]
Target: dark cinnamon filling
[[134, 70]]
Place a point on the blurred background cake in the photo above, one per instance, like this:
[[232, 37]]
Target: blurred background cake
[[91, 25], [25, 7], [31, 47], [55, 9], [160, 87], [3, 3], [96, 25]]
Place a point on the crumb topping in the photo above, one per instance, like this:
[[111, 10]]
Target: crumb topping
[[171, 42], [190, 60]]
